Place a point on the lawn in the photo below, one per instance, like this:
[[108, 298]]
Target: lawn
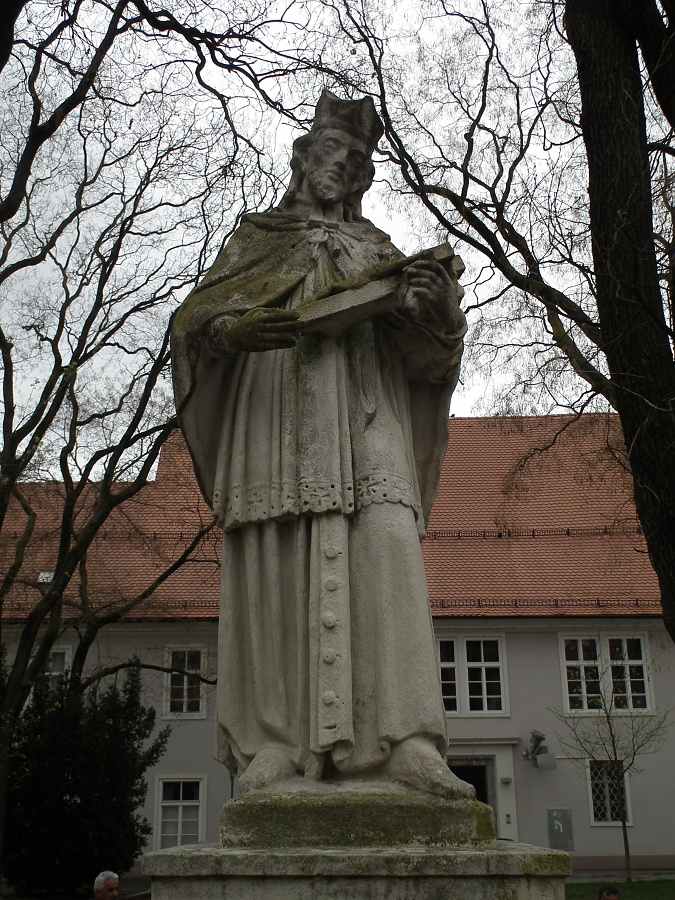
[[639, 890]]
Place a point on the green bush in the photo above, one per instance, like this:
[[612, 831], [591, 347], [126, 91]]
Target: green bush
[[76, 782]]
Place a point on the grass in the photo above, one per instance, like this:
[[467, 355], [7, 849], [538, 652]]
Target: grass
[[639, 890]]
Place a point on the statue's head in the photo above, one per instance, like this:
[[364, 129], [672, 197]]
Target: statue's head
[[332, 162]]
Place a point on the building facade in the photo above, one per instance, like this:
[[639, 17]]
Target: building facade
[[547, 621]]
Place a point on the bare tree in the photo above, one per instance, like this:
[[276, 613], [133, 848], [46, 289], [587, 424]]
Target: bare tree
[[613, 730], [133, 137], [572, 295]]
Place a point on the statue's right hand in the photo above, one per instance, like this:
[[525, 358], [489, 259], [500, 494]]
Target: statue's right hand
[[256, 331]]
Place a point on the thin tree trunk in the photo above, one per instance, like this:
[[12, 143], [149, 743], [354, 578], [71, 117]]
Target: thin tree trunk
[[626, 848], [635, 336]]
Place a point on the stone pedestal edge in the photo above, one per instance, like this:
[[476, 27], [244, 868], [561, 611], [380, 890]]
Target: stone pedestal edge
[[495, 858], [500, 871]]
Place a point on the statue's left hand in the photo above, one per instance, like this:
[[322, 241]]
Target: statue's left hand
[[431, 297]]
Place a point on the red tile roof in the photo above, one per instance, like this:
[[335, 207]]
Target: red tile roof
[[533, 518]]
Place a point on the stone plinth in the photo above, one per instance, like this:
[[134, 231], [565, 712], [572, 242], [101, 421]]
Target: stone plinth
[[326, 815], [359, 840], [498, 871]]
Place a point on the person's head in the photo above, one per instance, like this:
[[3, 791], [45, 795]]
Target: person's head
[[106, 885], [608, 892], [332, 164]]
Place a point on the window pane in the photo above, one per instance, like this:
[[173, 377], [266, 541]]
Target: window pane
[[476, 704], [615, 649], [494, 704], [571, 650], [473, 651], [574, 677], [194, 660], [588, 649], [176, 698], [490, 651], [475, 681], [447, 651], [592, 676], [170, 819], [178, 659], [634, 648], [168, 840], [190, 790], [57, 662], [193, 694], [618, 680], [171, 790]]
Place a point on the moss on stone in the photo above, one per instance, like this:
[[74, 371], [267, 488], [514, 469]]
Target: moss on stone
[[353, 820]]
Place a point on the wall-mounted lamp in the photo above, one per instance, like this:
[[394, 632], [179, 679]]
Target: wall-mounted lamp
[[538, 752]]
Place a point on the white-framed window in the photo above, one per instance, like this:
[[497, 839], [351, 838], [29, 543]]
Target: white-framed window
[[182, 810], [605, 793], [605, 671], [447, 661], [472, 674], [183, 687], [59, 662]]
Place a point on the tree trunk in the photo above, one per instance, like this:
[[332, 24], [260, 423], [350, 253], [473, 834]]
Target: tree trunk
[[628, 875], [635, 337], [6, 734]]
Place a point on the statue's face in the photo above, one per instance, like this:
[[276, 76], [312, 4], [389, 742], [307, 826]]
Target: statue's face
[[336, 166]]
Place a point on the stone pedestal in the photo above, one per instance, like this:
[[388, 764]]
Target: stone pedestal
[[356, 841], [502, 871]]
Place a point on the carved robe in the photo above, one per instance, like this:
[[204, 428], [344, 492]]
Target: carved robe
[[321, 463]]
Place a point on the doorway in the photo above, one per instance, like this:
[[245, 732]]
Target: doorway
[[480, 772]]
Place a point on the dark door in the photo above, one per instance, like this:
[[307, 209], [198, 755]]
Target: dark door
[[477, 775]]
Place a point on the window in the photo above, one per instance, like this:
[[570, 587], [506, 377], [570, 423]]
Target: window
[[184, 688], [59, 663], [608, 791], [485, 676], [448, 670], [629, 684], [583, 673], [57, 667], [471, 672], [605, 668], [181, 812]]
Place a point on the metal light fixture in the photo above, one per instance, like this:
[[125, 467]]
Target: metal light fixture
[[538, 752]]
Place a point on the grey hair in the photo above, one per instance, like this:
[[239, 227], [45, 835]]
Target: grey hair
[[102, 877]]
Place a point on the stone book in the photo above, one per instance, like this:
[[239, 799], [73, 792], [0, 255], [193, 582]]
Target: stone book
[[375, 292]]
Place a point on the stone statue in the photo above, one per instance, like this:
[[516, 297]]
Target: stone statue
[[319, 449]]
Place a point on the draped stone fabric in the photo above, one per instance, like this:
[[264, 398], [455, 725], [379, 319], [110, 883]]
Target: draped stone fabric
[[321, 463]]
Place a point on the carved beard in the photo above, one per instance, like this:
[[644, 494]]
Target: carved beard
[[327, 186]]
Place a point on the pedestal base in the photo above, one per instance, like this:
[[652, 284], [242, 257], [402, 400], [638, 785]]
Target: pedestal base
[[500, 871], [358, 814]]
